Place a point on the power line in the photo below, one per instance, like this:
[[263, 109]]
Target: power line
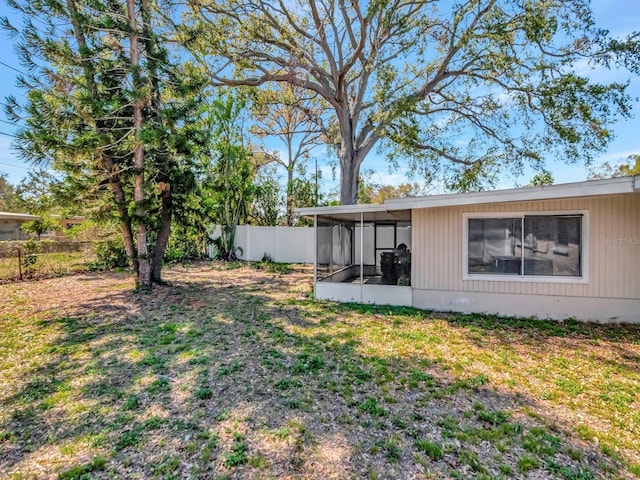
[[8, 122], [13, 68], [8, 134], [15, 166]]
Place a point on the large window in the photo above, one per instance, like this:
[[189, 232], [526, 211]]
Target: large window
[[526, 245]]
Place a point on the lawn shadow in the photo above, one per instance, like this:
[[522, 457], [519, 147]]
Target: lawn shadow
[[237, 374]]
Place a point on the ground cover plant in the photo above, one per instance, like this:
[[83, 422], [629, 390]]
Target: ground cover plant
[[234, 372]]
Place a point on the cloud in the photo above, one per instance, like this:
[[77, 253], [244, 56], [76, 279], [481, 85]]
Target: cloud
[[616, 157]]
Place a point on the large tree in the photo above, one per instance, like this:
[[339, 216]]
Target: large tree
[[108, 107], [456, 89], [290, 114]]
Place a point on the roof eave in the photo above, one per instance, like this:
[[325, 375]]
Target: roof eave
[[614, 186]]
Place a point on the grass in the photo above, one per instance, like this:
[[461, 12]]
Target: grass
[[45, 265], [232, 372]]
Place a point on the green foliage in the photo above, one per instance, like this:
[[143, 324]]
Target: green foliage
[[371, 406], [37, 192], [542, 178], [272, 267], [40, 226], [238, 454], [186, 244], [78, 119], [110, 255], [392, 451], [460, 93], [369, 192], [304, 193], [607, 170], [497, 417], [526, 463], [265, 207], [231, 175], [434, 450], [83, 472], [9, 201], [288, 114]]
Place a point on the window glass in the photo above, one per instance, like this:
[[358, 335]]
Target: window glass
[[494, 246], [552, 245]]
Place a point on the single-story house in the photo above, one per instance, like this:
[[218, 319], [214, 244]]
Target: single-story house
[[66, 223], [559, 251], [10, 224]]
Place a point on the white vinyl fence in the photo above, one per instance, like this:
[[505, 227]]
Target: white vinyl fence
[[283, 244]]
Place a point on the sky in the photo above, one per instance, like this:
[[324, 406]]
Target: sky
[[620, 17]]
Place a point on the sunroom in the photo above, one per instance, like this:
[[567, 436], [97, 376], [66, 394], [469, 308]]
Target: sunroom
[[363, 254]]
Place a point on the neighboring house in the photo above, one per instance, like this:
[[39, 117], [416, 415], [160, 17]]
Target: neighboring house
[[66, 223], [557, 251], [10, 224]]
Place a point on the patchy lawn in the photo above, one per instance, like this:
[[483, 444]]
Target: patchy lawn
[[235, 373]]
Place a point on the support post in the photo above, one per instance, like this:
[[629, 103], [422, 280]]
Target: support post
[[19, 262], [361, 255], [315, 254]]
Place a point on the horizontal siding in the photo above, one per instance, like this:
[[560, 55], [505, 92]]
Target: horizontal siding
[[614, 248]]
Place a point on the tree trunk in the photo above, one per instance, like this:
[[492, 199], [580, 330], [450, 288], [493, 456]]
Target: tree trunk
[[349, 170], [108, 163], [166, 195], [289, 196], [348, 156], [123, 213], [166, 212], [143, 280], [348, 183]]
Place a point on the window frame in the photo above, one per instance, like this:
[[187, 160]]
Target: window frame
[[584, 244]]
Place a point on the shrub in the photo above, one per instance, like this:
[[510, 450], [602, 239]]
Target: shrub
[[185, 245], [110, 255]]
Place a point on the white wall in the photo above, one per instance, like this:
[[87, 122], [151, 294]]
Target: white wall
[[605, 310], [284, 244]]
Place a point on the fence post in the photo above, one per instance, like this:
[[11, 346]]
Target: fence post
[[19, 262]]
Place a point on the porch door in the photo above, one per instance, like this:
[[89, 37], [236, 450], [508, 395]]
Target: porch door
[[385, 240]]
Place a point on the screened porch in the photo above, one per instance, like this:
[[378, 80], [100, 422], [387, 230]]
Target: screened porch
[[364, 255]]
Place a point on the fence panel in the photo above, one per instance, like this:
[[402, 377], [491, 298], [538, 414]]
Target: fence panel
[[283, 244]]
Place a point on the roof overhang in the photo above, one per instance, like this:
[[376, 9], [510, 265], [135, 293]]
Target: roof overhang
[[591, 188], [17, 216], [370, 212], [400, 207]]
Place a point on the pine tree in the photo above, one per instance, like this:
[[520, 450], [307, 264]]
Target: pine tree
[[108, 107]]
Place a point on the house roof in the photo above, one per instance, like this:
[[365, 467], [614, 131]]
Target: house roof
[[590, 188], [17, 216]]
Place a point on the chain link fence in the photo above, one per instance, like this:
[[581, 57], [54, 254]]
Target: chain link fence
[[20, 260]]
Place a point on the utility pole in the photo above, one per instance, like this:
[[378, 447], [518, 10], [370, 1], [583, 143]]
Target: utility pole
[[318, 173]]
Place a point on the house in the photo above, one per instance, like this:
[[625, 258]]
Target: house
[[66, 223], [10, 224], [558, 251]]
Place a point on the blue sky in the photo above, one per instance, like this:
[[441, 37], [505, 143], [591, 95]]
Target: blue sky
[[619, 16]]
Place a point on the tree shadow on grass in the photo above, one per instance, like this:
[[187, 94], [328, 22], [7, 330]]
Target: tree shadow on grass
[[203, 379]]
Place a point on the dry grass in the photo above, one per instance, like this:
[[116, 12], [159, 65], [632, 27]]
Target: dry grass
[[234, 373]]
